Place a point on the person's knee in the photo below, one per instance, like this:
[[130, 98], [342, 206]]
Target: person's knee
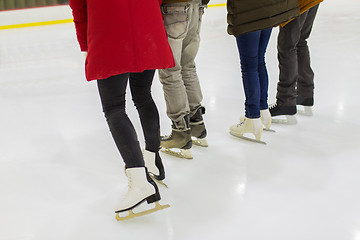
[[142, 100], [113, 110]]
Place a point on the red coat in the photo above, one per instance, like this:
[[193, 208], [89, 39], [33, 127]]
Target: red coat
[[121, 36]]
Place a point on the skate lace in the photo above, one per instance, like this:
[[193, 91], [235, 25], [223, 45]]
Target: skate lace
[[241, 123], [272, 105], [165, 137]]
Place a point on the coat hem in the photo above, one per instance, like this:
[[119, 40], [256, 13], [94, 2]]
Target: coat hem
[[90, 77]]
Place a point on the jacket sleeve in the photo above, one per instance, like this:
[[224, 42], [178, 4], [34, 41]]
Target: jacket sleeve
[[79, 11]]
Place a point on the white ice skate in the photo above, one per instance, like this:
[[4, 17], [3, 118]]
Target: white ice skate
[[155, 167], [266, 119], [285, 119], [305, 110], [140, 188], [247, 125]]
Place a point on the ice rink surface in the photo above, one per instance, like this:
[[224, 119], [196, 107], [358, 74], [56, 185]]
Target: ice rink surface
[[61, 174]]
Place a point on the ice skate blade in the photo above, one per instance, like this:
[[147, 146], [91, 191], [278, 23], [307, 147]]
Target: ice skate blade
[[159, 182], [290, 120], [269, 130], [248, 139], [307, 111], [182, 153], [199, 141], [131, 215]]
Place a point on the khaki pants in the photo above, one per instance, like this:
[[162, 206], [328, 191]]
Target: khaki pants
[[181, 83]]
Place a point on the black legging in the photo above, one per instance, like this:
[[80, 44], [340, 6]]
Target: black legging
[[112, 93]]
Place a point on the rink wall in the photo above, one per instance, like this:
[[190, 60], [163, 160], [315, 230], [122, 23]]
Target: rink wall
[[21, 4], [35, 16], [48, 15]]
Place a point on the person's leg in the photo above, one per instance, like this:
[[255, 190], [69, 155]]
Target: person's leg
[[140, 86], [305, 84], [287, 41], [263, 74], [141, 187], [112, 93], [264, 78], [176, 21], [190, 49], [248, 47], [288, 38]]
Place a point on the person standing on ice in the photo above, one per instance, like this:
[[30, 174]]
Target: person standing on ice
[[296, 78], [181, 85], [125, 41], [251, 23]]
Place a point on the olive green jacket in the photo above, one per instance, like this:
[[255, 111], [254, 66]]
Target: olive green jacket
[[251, 15]]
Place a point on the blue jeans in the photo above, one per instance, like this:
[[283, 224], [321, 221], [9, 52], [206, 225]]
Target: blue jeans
[[252, 47]]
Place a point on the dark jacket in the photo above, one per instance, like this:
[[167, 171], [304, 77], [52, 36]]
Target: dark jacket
[[251, 15]]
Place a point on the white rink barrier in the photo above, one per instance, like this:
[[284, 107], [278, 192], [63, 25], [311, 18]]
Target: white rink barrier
[[17, 18], [10, 19]]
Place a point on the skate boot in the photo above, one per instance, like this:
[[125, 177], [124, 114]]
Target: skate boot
[[198, 130], [140, 188], [307, 104], [177, 144], [248, 125], [287, 111], [155, 167], [266, 119]]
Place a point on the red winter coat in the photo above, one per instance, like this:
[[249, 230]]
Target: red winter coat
[[121, 36]]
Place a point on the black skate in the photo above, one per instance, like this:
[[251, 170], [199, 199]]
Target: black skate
[[198, 130], [279, 111], [307, 103]]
